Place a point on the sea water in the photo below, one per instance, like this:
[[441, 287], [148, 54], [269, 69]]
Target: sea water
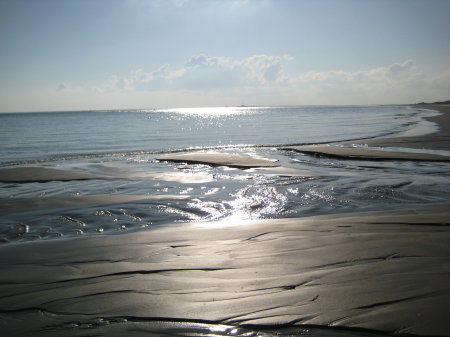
[[128, 143], [50, 135]]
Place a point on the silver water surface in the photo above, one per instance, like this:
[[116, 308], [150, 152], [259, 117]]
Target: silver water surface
[[308, 186], [43, 136]]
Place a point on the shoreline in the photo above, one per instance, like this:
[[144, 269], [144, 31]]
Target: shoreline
[[368, 149], [439, 140]]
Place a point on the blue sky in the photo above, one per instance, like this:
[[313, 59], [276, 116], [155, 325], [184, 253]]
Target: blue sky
[[113, 54]]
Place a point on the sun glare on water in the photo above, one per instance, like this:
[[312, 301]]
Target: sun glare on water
[[214, 111]]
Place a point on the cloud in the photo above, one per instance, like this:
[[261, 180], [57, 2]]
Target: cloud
[[257, 79], [395, 72], [208, 61], [204, 72], [263, 69], [397, 69]]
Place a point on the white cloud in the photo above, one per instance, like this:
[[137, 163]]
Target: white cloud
[[262, 79], [203, 72], [204, 80], [208, 61], [263, 69], [395, 72], [397, 69]]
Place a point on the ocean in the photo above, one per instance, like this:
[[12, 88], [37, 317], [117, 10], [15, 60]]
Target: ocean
[[61, 135], [125, 144]]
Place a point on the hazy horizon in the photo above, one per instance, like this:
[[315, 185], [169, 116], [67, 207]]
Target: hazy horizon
[[139, 54]]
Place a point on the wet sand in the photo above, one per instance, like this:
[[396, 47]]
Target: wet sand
[[45, 174], [437, 141], [220, 159], [366, 153], [385, 271]]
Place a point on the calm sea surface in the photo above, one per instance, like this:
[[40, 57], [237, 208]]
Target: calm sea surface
[[126, 143], [59, 135]]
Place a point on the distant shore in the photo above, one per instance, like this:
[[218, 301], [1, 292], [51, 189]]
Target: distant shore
[[439, 140]]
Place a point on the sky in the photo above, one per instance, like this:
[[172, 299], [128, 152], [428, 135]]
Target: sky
[[143, 54]]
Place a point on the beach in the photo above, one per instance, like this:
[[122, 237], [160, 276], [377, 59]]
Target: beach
[[374, 273], [437, 140], [374, 148]]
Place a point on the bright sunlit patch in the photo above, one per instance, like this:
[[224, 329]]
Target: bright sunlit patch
[[218, 328], [249, 203], [215, 111]]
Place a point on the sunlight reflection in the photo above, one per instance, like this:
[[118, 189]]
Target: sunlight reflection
[[256, 201], [249, 203], [215, 111]]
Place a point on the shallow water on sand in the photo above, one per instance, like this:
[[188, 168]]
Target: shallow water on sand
[[136, 327], [121, 148], [303, 185]]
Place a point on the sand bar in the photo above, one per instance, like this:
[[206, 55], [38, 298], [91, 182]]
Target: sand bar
[[366, 153], [388, 271], [42, 174], [46, 174], [13, 205], [219, 159]]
